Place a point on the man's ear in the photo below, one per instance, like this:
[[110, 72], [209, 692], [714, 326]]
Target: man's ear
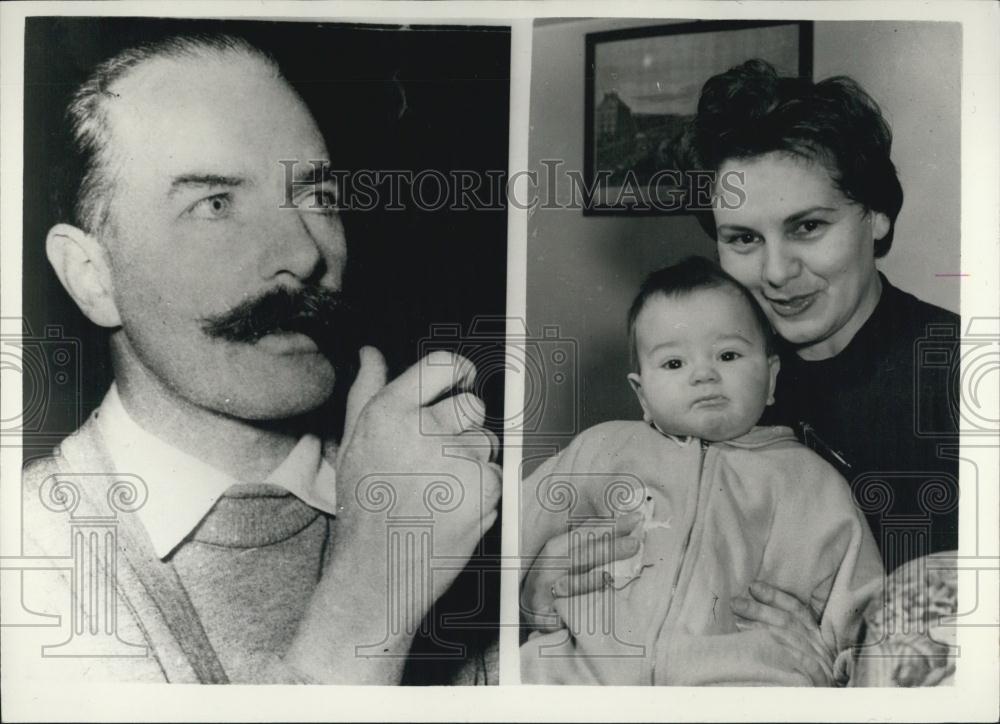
[[636, 382], [880, 225], [774, 366], [81, 263]]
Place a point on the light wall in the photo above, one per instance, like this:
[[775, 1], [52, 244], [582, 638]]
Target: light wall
[[914, 71], [584, 270]]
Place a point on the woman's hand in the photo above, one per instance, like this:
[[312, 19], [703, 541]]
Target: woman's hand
[[550, 578], [791, 624]]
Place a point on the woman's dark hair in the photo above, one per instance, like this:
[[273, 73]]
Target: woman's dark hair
[[687, 276], [750, 110]]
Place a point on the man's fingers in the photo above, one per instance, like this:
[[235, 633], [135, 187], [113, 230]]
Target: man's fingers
[[370, 380], [470, 410], [492, 485], [479, 444], [494, 449], [433, 376], [458, 413]]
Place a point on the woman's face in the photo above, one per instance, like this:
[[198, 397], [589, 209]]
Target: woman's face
[[804, 249]]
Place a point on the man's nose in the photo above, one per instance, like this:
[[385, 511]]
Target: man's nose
[[307, 246], [780, 264]]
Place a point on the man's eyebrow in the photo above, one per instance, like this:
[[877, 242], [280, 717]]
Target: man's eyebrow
[[312, 173], [187, 180], [799, 215]]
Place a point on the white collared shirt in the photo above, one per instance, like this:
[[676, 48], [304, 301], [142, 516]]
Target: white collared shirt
[[182, 489]]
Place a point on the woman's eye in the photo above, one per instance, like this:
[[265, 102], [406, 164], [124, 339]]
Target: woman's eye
[[729, 356], [809, 227], [212, 208], [672, 364], [744, 240]]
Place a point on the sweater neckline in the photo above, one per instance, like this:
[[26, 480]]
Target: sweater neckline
[[251, 516]]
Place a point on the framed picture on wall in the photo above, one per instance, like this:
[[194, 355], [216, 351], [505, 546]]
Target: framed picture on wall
[[642, 88]]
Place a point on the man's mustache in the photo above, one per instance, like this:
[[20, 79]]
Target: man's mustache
[[316, 312]]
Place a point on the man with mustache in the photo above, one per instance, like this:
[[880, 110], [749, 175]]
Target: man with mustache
[[258, 554]]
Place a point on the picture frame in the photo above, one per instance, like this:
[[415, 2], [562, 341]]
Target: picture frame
[[642, 86]]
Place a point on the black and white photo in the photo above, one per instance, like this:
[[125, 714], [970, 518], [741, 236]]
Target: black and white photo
[[757, 493], [268, 468]]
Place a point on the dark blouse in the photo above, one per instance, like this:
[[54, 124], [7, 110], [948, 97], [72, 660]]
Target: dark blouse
[[884, 413]]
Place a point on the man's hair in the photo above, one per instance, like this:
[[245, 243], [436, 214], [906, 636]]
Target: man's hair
[[749, 111], [86, 186], [681, 279]]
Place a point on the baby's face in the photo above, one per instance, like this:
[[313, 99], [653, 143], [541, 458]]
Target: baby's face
[[703, 370]]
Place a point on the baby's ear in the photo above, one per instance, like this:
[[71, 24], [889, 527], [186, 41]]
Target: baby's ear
[[635, 380], [774, 366]]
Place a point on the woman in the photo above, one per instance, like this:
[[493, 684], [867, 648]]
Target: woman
[[818, 201], [821, 197]]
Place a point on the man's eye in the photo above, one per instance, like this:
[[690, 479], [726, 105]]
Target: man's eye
[[320, 200], [729, 356], [212, 208], [672, 364]]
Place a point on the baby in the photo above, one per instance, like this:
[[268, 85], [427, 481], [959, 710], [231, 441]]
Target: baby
[[723, 503]]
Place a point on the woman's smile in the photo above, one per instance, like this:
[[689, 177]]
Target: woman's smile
[[791, 306]]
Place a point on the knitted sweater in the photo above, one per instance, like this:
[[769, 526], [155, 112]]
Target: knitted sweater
[[725, 514], [248, 572]]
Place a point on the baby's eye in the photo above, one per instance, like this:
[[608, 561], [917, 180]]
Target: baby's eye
[[729, 356], [212, 208], [672, 364]]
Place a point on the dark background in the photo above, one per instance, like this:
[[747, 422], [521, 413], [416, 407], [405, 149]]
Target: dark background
[[407, 270]]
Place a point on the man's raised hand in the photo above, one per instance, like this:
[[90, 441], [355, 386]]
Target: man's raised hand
[[423, 430], [413, 456]]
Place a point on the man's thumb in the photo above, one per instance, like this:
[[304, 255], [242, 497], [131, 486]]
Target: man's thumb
[[371, 378]]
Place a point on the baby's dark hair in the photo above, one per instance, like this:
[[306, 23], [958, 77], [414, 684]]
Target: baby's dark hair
[[750, 110], [682, 278]]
